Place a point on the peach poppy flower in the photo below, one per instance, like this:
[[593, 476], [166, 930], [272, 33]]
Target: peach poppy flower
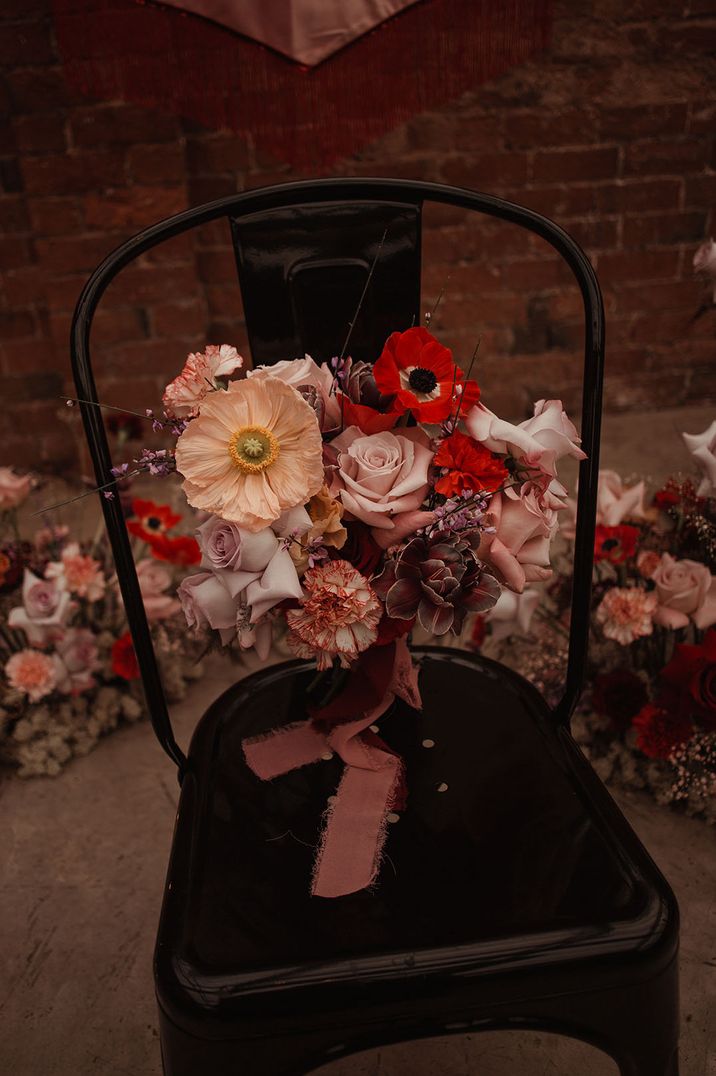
[[254, 451]]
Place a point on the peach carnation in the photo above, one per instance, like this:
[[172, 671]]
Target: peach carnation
[[254, 451], [32, 672], [81, 575], [338, 617], [627, 613], [183, 396]]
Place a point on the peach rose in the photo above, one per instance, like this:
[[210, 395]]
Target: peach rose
[[381, 476], [702, 447], [182, 396], [686, 590], [14, 488], [524, 524], [306, 374], [538, 441], [154, 581]]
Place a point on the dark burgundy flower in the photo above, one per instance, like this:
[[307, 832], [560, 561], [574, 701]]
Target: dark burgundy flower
[[660, 731], [619, 695], [359, 548], [439, 580], [690, 678]]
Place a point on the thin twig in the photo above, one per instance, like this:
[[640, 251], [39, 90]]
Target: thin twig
[[467, 378], [87, 493], [104, 407], [363, 295], [431, 313]]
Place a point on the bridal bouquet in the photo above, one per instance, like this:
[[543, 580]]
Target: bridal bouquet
[[343, 504]]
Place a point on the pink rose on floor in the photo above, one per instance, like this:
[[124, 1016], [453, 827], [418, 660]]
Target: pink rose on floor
[[381, 476], [14, 488], [81, 575], [702, 447], [182, 396], [306, 374], [79, 657], [685, 590], [512, 615], [538, 441], [46, 605], [154, 581], [626, 614], [524, 524], [34, 673], [616, 502]]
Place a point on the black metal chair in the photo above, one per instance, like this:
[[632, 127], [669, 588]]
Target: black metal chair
[[518, 897]]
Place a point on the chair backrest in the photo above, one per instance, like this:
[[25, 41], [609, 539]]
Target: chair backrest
[[303, 253]]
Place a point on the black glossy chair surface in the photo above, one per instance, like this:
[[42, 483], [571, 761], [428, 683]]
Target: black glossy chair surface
[[508, 847]]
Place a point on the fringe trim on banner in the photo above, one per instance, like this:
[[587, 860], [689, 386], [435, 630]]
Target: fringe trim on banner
[[183, 64]]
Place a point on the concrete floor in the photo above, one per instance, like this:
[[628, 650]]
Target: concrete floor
[[82, 872]]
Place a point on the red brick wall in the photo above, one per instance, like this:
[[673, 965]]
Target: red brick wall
[[610, 132]]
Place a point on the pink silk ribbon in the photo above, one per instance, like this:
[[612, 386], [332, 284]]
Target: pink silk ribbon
[[349, 852]]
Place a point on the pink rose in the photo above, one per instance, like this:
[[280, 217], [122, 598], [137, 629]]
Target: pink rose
[[524, 524], [14, 488], [182, 397], [77, 651], [46, 605], [34, 673], [616, 502], [512, 615], [538, 441], [702, 447], [306, 374], [154, 581], [686, 590], [381, 476]]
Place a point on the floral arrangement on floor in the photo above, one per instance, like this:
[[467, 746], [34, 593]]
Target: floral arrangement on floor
[[648, 719], [70, 673], [344, 504]]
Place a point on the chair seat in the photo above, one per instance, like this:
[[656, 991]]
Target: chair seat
[[511, 848]]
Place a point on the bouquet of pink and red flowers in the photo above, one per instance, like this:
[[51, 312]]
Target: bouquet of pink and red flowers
[[345, 502]]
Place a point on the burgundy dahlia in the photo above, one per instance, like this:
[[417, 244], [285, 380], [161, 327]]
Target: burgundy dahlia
[[439, 580]]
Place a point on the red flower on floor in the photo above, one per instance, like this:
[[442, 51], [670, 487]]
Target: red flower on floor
[[469, 466], [615, 544], [124, 659], [691, 677], [619, 694], [666, 498], [659, 731], [419, 372], [367, 419], [182, 550], [151, 519]]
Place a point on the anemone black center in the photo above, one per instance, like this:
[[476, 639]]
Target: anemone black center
[[154, 523], [422, 380]]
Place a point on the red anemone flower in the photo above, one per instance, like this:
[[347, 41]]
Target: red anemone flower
[[366, 418], [124, 659], [419, 372], [151, 519], [182, 550], [615, 544], [469, 466]]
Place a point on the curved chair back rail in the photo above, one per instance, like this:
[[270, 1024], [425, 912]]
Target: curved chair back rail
[[401, 194]]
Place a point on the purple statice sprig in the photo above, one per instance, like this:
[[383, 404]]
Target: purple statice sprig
[[464, 512], [314, 548]]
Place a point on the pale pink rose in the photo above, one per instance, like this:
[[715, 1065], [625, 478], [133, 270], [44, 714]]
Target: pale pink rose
[[702, 447], [34, 673], [524, 524], [46, 605], [14, 488], [381, 476], [538, 441], [82, 575], [154, 581], [617, 502], [512, 614], [626, 614], [182, 396], [78, 653], [306, 374], [685, 590], [705, 262]]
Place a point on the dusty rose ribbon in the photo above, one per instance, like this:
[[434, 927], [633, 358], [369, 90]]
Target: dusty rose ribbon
[[349, 852]]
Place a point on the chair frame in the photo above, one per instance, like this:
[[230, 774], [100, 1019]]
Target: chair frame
[[313, 192]]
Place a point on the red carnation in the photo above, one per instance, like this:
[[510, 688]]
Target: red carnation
[[615, 544], [124, 659], [469, 465], [659, 731], [151, 519], [419, 372], [182, 550]]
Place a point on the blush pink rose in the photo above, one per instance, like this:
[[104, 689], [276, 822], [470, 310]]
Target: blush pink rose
[[14, 488], [538, 441], [380, 477], [524, 524], [686, 590], [46, 606], [306, 374], [617, 502], [154, 581], [182, 396], [78, 653], [702, 447], [34, 673]]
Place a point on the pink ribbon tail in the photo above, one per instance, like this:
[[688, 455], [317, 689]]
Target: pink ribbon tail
[[284, 749]]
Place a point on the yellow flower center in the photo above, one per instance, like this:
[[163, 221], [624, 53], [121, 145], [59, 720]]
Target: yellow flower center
[[253, 449]]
